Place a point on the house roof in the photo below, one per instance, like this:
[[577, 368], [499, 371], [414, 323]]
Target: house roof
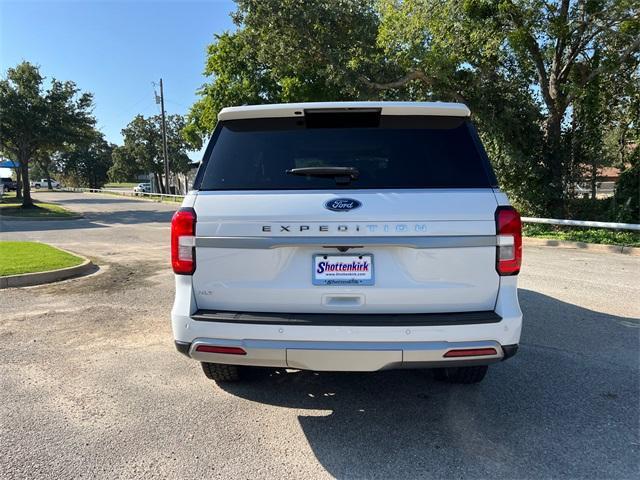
[[387, 108], [609, 172]]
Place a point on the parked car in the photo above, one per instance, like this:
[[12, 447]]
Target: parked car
[[142, 188], [354, 236], [9, 184], [44, 183]]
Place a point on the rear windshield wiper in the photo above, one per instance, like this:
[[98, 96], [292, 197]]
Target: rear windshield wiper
[[342, 175]]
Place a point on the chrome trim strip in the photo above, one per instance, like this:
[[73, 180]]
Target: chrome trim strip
[[350, 241]]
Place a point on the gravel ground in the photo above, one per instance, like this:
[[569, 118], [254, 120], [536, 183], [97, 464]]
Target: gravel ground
[[91, 385]]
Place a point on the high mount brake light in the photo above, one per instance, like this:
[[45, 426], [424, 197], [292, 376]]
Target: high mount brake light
[[509, 240], [183, 236]]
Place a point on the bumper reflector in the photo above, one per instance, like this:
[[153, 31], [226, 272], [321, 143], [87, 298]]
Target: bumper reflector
[[220, 349], [475, 352]]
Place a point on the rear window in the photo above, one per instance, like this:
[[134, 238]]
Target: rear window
[[388, 152]]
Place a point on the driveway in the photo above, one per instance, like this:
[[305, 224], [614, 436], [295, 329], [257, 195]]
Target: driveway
[[91, 385]]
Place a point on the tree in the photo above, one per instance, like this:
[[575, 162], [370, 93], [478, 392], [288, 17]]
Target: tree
[[143, 144], [522, 66], [34, 121], [622, 147], [284, 53], [589, 119], [124, 167], [545, 41], [87, 164]]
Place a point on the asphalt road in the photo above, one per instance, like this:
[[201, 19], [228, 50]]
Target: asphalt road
[[91, 386]]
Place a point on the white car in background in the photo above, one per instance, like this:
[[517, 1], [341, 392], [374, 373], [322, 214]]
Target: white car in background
[[354, 236], [44, 183], [142, 188]]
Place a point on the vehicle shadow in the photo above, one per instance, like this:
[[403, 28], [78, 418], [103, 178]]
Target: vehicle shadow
[[88, 220], [565, 406], [133, 216], [98, 201]]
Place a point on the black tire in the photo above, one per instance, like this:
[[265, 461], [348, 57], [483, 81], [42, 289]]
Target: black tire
[[463, 375], [222, 373]]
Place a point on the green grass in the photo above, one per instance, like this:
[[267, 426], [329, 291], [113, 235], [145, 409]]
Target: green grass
[[120, 185], [29, 257], [586, 235], [11, 207]]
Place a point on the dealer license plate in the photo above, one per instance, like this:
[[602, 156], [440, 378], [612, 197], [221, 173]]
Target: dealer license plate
[[343, 269]]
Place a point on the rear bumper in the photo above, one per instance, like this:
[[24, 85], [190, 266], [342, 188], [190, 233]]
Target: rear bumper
[[346, 356], [365, 342]]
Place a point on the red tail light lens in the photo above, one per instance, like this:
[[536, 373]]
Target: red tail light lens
[[220, 349], [476, 352], [183, 236], [509, 237]]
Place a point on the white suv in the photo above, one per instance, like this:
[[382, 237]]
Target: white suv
[[353, 236]]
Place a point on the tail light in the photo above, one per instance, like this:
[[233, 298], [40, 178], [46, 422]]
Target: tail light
[[509, 238], [221, 349], [474, 352], [183, 236]]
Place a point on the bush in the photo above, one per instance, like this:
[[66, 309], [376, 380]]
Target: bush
[[627, 198], [586, 235], [595, 210]]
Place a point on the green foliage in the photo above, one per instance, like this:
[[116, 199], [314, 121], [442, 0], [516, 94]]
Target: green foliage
[[86, 164], [143, 150], [523, 67], [586, 235], [35, 123], [143, 139], [124, 167], [282, 52], [627, 194]]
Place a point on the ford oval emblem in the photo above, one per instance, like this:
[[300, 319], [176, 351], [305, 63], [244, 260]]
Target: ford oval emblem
[[342, 204]]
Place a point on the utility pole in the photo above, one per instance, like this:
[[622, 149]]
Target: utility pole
[[164, 142]]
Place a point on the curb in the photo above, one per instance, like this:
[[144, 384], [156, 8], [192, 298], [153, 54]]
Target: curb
[[50, 276], [592, 247]]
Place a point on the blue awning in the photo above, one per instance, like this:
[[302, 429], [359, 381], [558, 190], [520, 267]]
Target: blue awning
[[8, 164]]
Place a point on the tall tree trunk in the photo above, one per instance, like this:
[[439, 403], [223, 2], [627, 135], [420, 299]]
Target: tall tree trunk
[[27, 202], [46, 172], [553, 159], [18, 183], [155, 176]]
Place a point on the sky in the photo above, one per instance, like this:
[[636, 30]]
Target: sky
[[116, 49]]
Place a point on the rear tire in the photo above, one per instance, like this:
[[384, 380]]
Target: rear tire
[[462, 375], [222, 373], [233, 373]]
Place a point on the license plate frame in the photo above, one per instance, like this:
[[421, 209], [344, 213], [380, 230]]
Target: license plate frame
[[345, 279]]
